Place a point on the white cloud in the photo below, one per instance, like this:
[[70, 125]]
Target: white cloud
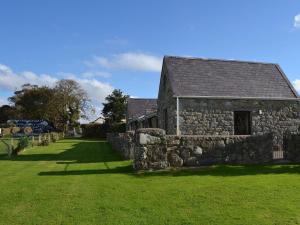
[[96, 90], [297, 21], [11, 81], [91, 74], [296, 84], [129, 60]]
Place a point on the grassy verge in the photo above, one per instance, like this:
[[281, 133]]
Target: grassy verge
[[76, 181]]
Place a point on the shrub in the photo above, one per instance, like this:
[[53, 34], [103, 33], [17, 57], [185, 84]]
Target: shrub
[[45, 142], [117, 128], [94, 130], [23, 142], [54, 137]]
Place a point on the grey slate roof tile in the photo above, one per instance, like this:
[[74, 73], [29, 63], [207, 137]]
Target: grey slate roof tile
[[227, 78], [138, 107]]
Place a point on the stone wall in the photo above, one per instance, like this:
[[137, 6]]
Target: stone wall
[[155, 150], [215, 116], [292, 147], [123, 143], [166, 101], [150, 149]]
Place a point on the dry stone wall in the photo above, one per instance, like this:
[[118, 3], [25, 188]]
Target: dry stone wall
[[151, 148], [123, 143], [155, 150]]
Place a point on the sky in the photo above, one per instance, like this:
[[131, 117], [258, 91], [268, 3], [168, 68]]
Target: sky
[[111, 44]]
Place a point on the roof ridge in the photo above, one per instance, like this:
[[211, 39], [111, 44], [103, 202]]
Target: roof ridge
[[222, 60]]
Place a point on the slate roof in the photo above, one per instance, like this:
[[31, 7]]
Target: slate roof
[[138, 107], [226, 78]]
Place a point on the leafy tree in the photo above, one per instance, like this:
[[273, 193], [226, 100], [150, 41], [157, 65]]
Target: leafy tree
[[7, 112], [71, 103], [33, 102], [114, 110], [62, 105]]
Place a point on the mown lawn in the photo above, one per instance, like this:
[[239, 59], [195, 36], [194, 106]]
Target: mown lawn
[[83, 182]]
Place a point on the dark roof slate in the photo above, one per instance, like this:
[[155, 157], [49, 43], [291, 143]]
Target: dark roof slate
[[138, 107], [227, 78]]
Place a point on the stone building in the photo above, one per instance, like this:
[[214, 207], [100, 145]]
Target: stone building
[[141, 113], [225, 97], [214, 111]]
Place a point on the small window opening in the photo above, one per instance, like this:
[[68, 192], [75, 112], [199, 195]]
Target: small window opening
[[242, 123]]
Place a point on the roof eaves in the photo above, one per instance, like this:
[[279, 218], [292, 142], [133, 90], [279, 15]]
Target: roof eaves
[[237, 98]]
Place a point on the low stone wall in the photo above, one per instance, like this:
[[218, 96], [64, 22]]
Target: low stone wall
[[155, 150], [292, 147], [123, 143], [151, 148]]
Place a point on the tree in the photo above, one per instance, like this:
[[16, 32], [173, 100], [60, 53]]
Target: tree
[[71, 103], [6, 113], [33, 102], [114, 110], [62, 105]]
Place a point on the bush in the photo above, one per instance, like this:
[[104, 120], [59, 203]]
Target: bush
[[54, 137], [117, 128], [94, 130], [23, 142], [45, 142]]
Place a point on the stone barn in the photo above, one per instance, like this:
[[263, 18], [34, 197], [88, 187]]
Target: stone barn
[[225, 97], [216, 111]]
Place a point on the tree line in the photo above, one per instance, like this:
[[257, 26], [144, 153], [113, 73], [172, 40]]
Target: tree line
[[62, 105]]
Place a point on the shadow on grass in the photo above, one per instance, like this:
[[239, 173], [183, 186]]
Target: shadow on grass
[[219, 171], [117, 170], [99, 151], [85, 151]]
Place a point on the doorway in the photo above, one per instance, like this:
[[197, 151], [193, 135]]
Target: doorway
[[242, 123]]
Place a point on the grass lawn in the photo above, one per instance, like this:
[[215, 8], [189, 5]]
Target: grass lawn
[[78, 181]]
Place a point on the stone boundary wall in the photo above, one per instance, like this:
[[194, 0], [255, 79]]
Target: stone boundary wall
[[154, 149], [292, 146], [151, 148], [123, 143]]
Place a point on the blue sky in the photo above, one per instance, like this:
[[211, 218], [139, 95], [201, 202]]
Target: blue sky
[[120, 44]]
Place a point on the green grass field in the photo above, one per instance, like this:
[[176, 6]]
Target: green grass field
[[78, 181]]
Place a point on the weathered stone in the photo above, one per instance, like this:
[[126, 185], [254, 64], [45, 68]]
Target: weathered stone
[[220, 144], [175, 160], [145, 139], [185, 154], [192, 161], [198, 151]]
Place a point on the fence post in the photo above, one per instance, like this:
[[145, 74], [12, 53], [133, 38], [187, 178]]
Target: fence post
[[40, 139], [11, 146], [32, 141], [49, 138]]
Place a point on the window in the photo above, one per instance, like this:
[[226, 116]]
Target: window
[[242, 123]]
